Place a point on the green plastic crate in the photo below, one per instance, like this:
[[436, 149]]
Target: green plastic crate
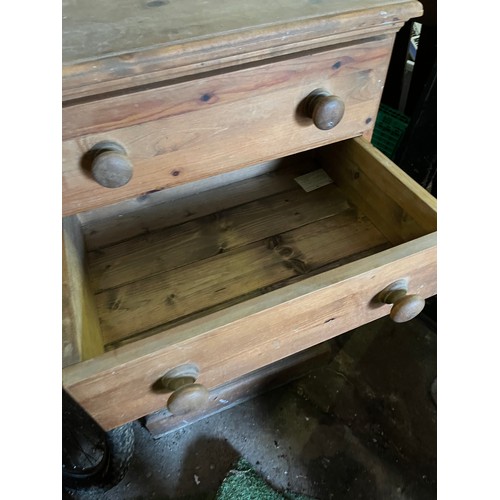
[[389, 130]]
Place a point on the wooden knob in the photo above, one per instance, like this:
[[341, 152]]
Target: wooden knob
[[188, 398], [187, 395], [405, 307], [179, 376], [111, 167], [325, 109]]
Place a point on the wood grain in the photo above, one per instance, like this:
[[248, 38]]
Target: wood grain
[[260, 329], [190, 94], [107, 49], [254, 333], [165, 297], [80, 324], [247, 387], [397, 205], [231, 120], [208, 236], [151, 212]]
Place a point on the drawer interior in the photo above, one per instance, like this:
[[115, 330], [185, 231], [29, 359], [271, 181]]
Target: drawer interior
[[145, 265]]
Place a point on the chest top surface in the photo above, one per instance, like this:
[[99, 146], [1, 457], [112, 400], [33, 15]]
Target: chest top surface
[[109, 46]]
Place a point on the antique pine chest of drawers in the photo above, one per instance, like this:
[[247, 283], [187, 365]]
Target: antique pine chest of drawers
[[223, 207]]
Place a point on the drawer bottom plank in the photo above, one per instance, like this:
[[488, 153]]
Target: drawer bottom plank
[[219, 232], [166, 297]]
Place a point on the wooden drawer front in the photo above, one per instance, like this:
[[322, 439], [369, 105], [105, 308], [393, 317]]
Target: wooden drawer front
[[229, 120], [119, 388], [240, 336]]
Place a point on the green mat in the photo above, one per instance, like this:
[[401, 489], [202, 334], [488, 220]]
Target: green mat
[[243, 483]]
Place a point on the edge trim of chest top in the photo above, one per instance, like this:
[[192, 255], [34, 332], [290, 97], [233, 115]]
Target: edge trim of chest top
[[164, 60]]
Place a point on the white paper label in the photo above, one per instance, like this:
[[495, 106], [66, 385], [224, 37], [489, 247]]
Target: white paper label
[[314, 180]]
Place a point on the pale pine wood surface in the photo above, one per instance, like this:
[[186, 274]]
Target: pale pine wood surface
[[162, 276], [107, 48], [254, 331], [397, 205], [94, 28], [172, 273], [253, 334], [193, 91], [230, 120], [349, 71], [204, 237], [162, 298], [80, 324]]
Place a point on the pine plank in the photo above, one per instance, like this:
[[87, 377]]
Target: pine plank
[[164, 250], [164, 297], [156, 210], [80, 325], [397, 205], [250, 295], [138, 25], [107, 49]]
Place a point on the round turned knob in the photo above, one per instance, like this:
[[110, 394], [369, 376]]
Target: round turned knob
[[179, 376], [111, 167], [325, 109], [187, 395], [405, 307], [188, 398]]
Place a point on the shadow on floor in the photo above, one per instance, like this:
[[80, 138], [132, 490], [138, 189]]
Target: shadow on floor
[[362, 427]]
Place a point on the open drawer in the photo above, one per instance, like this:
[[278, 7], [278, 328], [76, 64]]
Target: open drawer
[[225, 276]]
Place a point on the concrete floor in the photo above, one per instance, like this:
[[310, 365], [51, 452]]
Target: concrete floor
[[362, 427]]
